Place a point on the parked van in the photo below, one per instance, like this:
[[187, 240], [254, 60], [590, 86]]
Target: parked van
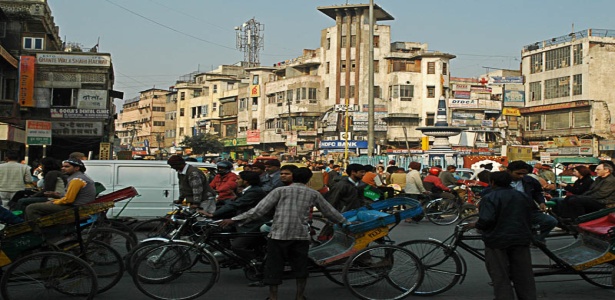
[[155, 181]]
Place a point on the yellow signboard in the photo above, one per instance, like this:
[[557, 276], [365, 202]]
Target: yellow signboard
[[105, 151], [508, 111], [255, 91], [519, 153]]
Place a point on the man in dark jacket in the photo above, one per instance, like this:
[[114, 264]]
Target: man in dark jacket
[[252, 193], [505, 219], [601, 193], [193, 185], [347, 194]]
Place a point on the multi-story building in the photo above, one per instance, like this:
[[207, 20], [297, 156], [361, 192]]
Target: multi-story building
[[569, 106], [141, 125], [170, 121], [65, 84]]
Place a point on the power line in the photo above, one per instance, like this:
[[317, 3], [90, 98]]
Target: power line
[[169, 27]]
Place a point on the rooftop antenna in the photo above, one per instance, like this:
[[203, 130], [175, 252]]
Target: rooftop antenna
[[250, 40]]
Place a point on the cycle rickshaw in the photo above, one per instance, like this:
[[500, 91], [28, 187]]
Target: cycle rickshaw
[[356, 256]]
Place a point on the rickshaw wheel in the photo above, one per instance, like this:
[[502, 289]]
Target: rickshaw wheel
[[602, 275]]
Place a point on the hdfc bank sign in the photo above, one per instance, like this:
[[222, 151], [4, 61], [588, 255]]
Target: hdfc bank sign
[[463, 103]]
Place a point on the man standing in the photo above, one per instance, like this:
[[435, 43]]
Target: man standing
[[79, 191], [13, 177], [505, 219], [193, 185], [334, 176], [447, 177], [225, 182], [272, 167], [532, 188], [289, 236], [347, 194]]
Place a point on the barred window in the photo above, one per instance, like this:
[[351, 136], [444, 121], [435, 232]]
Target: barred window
[[536, 63], [557, 87], [535, 91], [534, 122], [581, 118], [577, 53], [559, 120], [557, 58], [577, 84], [431, 68]]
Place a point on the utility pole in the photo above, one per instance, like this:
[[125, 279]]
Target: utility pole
[[370, 89]]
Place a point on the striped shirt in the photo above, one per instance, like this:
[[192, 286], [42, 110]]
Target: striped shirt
[[292, 205]]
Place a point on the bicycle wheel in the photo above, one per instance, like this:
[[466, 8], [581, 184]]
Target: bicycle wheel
[[121, 226], [160, 227], [468, 209], [120, 241], [334, 273], [442, 211], [321, 230], [601, 275], [140, 249], [175, 271], [48, 275], [443, 267], [382, 272]]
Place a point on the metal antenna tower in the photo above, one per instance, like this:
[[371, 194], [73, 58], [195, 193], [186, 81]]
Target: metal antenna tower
[[250, 40]]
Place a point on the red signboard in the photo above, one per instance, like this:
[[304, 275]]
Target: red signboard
[[556, 106], [253, 137], [26, 81]]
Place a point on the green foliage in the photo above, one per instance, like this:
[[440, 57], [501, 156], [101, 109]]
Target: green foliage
[[203, 143]]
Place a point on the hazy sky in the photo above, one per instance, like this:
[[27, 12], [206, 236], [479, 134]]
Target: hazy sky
[[154, 42]]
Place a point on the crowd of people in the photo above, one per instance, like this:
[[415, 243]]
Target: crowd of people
[[274, 196]]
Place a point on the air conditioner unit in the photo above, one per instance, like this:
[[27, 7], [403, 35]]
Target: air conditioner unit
[[278, 130]]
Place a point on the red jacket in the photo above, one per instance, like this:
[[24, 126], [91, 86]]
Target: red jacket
[[225, 185], [435, 180]]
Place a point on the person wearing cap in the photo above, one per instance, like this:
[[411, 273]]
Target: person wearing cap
[[272, 167], [547, 174], [80, 190], [193, 185], [224, 183]]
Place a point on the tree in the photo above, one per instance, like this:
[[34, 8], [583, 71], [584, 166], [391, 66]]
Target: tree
[[203, 143]]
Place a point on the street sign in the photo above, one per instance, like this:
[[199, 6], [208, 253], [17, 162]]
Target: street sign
[[105, 151], [38, 132]]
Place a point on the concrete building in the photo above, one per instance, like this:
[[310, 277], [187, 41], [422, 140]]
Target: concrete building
[[569, 106], [141, 124], [63, 83]]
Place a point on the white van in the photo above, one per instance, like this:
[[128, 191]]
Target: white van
[[155, 181]]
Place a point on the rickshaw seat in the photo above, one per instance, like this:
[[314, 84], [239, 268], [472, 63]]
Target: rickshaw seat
[[600, 226]]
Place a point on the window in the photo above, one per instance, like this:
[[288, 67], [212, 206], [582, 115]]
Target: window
[[352, 65], [254, 101], [535, 91], [534, 122], [312, 93], [401, 66], [403, 92], [353, 40], [298, 96], [351, 92], [343, 42], [194, 112], [181, 130], [343, 66], [204, 110], [577, 54], [430, 119], [431, 68], [581, 118], [280, 96], [327, 93], [328, 67], [63, 97], [376, 66], [215, 88], [196, 93], [431, 92], [377, 92], [182, 96], [255, 79], [214, 106], [33, 43], [254, 125], [376, 41], [577, 84], [536, 63], [271, 98], [181, 112], [557, 87], [289, 95], [158, 123], [243, 104], [342, 92], [158, 108], [328, 43], [557, 59], [444, 68], [558, 120]]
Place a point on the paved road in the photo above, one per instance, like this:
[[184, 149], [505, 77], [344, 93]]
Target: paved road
[[232, 284]]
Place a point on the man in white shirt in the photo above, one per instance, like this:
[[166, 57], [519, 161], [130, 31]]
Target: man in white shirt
[[13, 177]]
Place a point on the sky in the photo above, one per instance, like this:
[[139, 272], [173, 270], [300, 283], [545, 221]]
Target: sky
[[154, 42]]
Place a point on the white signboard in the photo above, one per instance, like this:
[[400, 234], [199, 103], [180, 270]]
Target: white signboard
[[92, 99], [463, 103], [75, 128], [73, 60]]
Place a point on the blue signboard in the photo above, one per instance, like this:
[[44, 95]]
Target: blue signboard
[[340, 144]]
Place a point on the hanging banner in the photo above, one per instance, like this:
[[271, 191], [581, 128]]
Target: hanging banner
[[26, 81]]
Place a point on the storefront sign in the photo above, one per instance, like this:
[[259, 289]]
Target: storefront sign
[[337, 144], [76, 128], [38, 132], [519, 153], [76, 113], [509, 111], [92, 99], [308, 133], [26, 81], [360, 121], [586, 142], [462, 103], [606, 145], [235, 142], [73, 60], [377, 107], [462, 94], [253, 137], [554, 106], [514, 95], [568, 141], [486, 123], [461, 87], [499, 80], [586, 150]]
